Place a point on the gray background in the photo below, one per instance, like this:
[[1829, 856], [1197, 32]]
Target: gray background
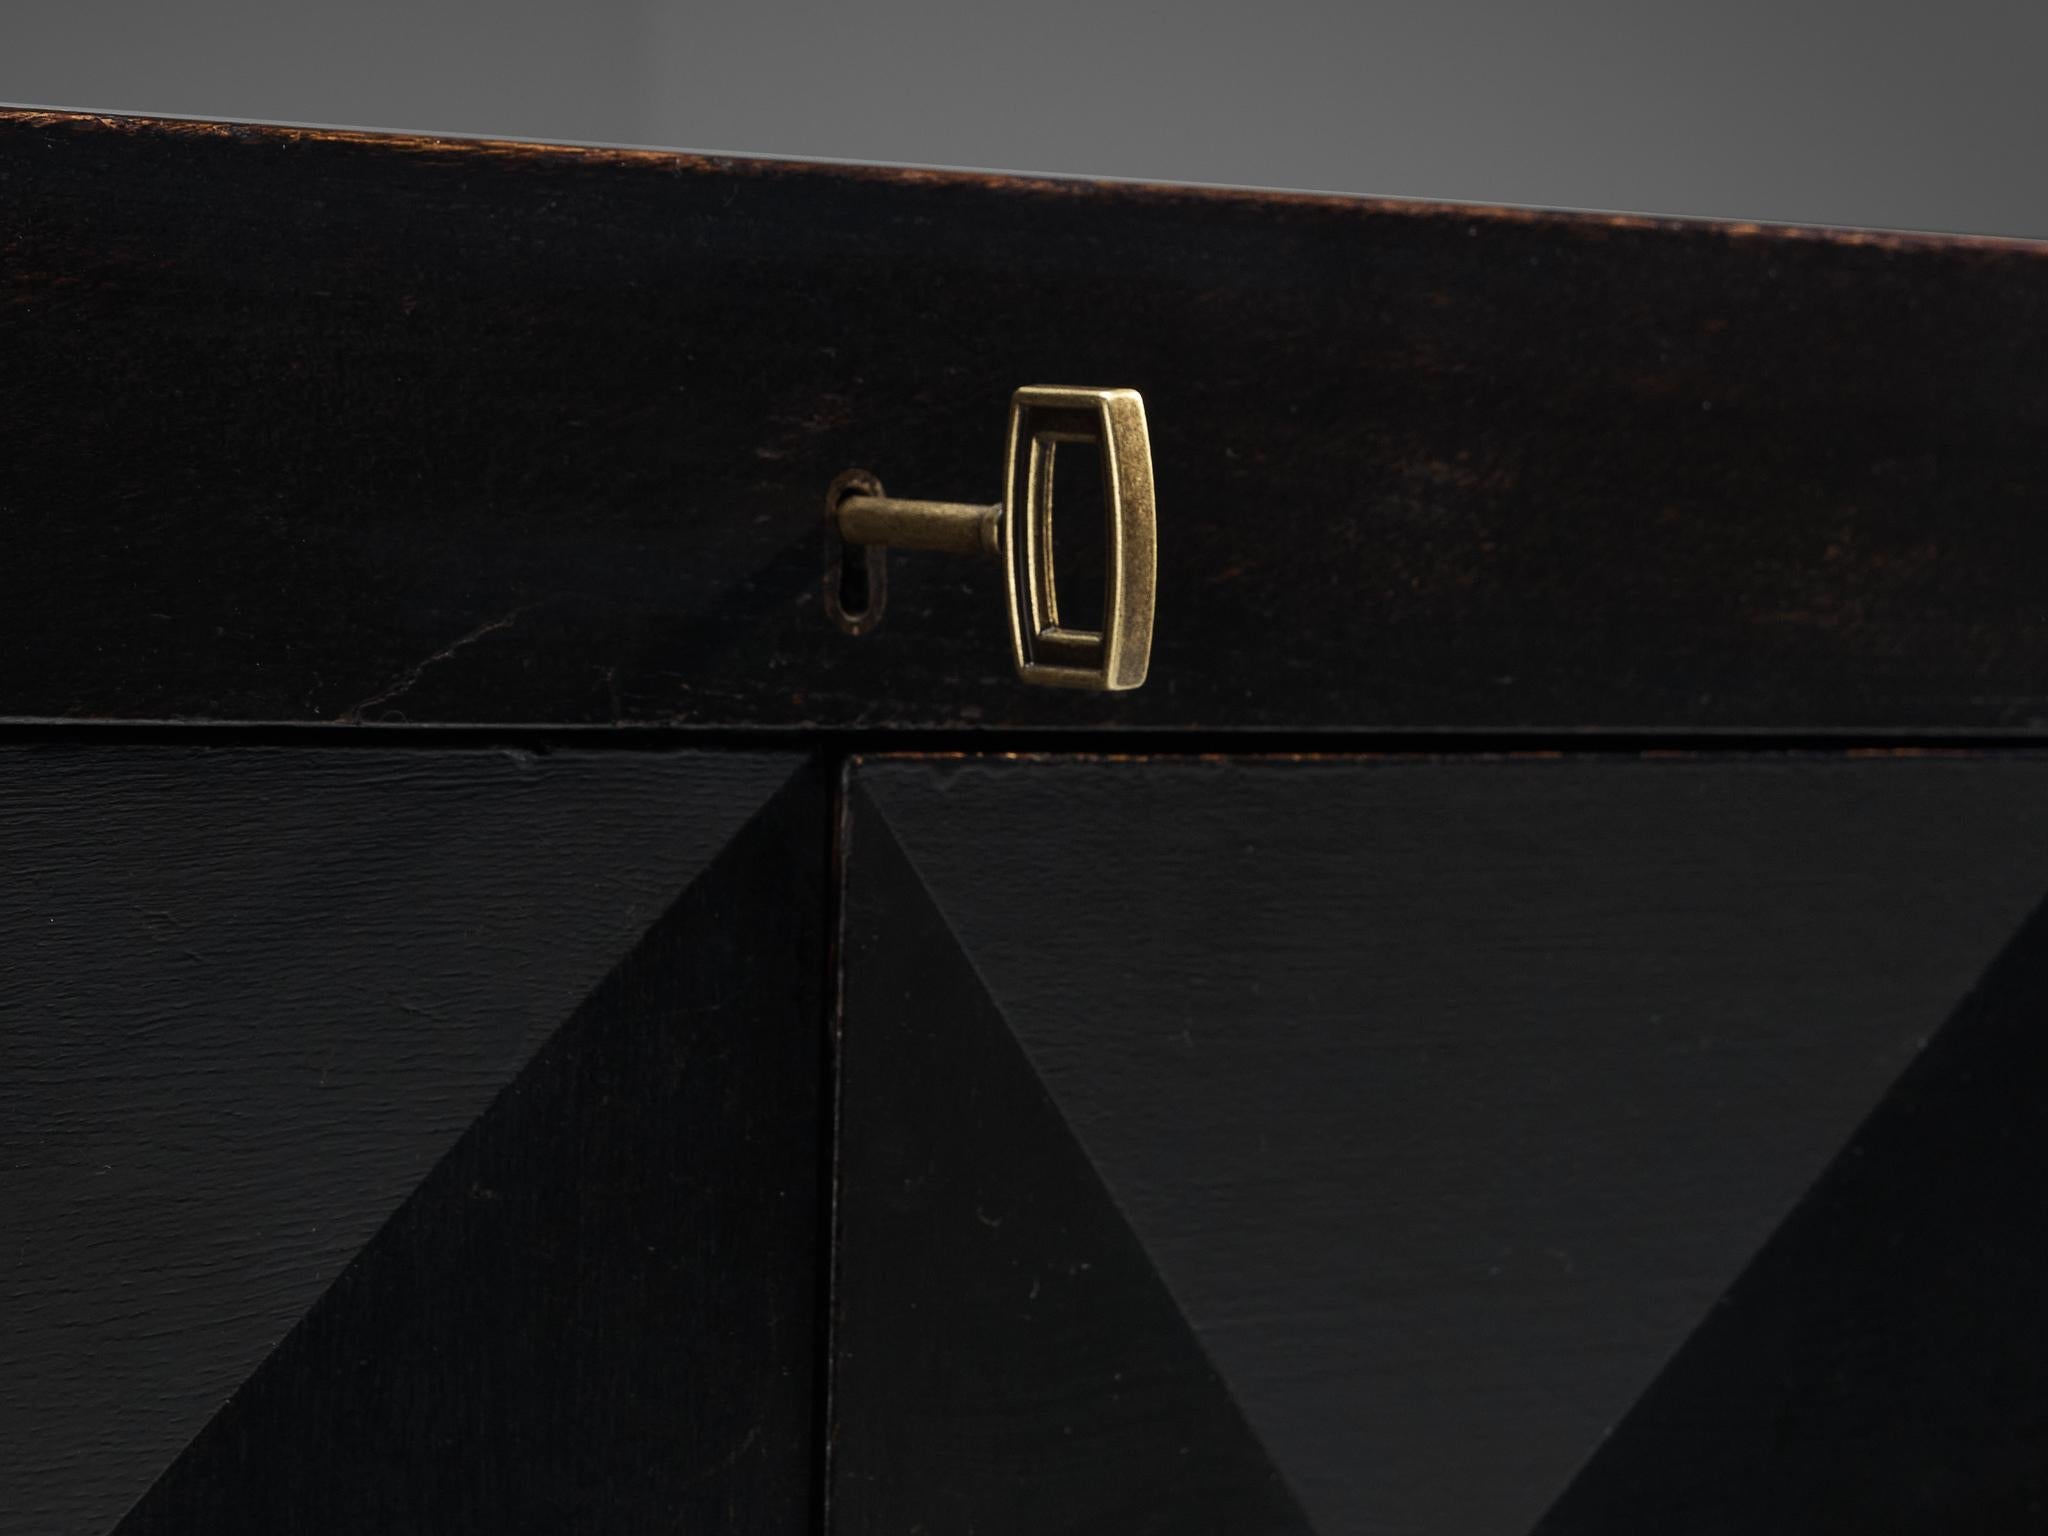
[[1908, 116]]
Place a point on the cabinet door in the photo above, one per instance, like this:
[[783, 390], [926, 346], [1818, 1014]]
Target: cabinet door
[[408, 1140], [1577, 1145]]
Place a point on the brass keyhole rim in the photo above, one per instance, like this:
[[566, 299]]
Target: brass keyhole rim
[[843, 560]]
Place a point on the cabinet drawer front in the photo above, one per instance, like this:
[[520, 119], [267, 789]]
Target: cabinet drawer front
[[309, 426]]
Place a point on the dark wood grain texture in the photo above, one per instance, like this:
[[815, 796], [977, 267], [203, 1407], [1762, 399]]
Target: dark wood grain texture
[[599, 1311], [312, 427], [251, 998], [1450, 1098], [1008, 1360], [1883, 1365]]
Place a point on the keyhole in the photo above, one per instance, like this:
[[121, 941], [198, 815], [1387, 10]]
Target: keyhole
[[856, 576], [854, 594]]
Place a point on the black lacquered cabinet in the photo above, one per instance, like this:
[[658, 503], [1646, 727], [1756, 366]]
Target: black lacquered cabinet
[[518, 1016]]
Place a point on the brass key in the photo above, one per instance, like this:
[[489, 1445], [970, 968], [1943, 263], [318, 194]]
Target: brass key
[[1018, 532]]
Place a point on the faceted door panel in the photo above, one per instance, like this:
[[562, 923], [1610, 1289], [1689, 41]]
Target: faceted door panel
[[409, 1139], [1419, 1146]]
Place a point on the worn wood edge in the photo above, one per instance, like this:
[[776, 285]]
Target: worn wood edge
[[1031, 743], [671, 162], [1418, 757]]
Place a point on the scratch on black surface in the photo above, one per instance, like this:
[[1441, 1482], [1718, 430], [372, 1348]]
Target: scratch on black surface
[[412, 674]]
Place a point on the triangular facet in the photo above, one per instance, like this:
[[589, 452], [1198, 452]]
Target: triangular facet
[[1883, 1365], [596, 1313], [1006, 1361], [1446, 1097], [250, 996]]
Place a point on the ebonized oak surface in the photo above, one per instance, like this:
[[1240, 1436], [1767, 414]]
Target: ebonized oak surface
[[1481, 1147], [405, 1140], [308, 426]]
